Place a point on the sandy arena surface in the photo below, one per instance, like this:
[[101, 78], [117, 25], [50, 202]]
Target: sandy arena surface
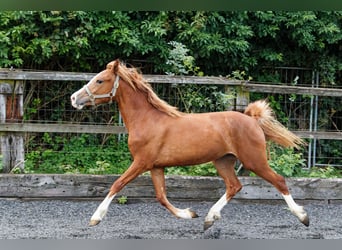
[[59, 219]]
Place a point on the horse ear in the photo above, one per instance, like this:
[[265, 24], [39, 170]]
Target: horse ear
[[115, 67]]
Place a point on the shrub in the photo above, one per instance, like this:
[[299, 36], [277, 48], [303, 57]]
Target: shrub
[[286, 162], [81, 154]]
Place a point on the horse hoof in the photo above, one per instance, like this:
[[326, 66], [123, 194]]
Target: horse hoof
[[306, 221], [186, 213], [193, 213], [208, 224], [94, 222]]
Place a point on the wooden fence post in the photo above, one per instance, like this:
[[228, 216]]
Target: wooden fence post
[[241, 100], [11, 111]]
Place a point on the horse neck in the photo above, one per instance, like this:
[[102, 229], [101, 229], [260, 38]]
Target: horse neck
[[134, 107]]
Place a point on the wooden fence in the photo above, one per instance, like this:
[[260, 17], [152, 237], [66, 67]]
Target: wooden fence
[[64, 186], [11, 113]]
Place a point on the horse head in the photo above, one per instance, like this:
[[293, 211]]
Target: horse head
[[100, 89]]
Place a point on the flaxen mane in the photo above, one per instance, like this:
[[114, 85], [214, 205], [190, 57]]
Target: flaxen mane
[[137, 82]]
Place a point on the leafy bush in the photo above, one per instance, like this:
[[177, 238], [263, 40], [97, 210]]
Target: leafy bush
[[206, 169], [286, 162], [218, 41], [78, 155], [179, 62], [323, 172]]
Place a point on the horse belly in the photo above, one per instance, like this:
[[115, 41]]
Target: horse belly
[[191, 149]]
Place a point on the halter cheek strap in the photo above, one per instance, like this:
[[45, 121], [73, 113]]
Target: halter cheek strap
[[109, 95]]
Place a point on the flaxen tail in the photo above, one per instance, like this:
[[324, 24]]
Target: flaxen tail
[[274, 130]]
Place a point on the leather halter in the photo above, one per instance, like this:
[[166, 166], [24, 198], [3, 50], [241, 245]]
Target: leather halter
[[109, 95]]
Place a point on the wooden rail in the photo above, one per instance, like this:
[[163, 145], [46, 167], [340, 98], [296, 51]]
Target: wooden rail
[[280, 88], [320, 135], [110, 129], [55, 186], [61, 128]]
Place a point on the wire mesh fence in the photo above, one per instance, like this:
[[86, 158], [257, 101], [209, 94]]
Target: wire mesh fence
[[47, 102]]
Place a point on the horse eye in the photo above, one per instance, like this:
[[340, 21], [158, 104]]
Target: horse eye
[[99, 81]]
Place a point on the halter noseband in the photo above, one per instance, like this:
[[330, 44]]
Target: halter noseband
[[110, 95]]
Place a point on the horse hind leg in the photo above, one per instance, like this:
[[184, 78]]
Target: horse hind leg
[[297, 210], [261, 168], [158, 180], [225, 168]]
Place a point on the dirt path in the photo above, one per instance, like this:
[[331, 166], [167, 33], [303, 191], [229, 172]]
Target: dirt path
[[57, 219]]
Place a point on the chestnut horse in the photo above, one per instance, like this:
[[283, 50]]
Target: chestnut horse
[[160, 136]]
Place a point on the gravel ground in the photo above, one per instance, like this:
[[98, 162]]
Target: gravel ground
[[59, 219]]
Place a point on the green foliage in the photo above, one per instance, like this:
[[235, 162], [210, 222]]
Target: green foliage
[[289, 163], [206, 169], [181, 63], [122, 200], [32, 109], [331, 149], [286, 162], [177, 42], [194, 98], [218, 42], [203, 98], [278, 109], [16, 170], [323, 172], [82, 154]]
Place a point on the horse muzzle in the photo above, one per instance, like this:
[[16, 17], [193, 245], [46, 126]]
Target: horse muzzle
[[78, 101]]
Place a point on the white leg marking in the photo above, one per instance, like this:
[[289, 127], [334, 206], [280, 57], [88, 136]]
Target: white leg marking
[[215, 211], [102, 209], [184, 213], [294, 208]]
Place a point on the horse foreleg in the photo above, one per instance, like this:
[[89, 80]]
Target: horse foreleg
[[225, 168], [131, 173], [101, 210], [158, 180]]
